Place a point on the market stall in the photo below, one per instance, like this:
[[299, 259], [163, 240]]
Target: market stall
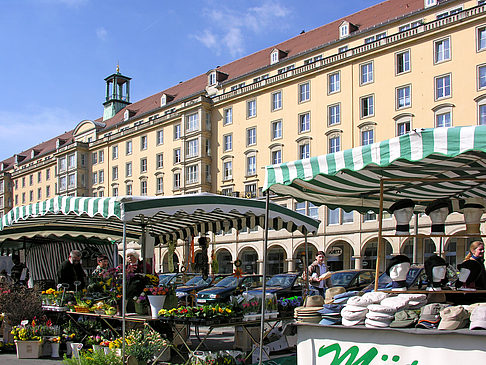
[[424, 165], [167, 219]]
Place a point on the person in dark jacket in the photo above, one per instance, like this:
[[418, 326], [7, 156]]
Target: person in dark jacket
[[319, 276], [71, 270], [19, 272]]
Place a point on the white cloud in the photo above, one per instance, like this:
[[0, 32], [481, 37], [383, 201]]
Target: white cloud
[[228, 26], [20, 131], [102, 33]]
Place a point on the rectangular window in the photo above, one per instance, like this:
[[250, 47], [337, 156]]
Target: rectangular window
[[101, 156], [227, 170], [332, 216], [193, 148], [192, 174], [192, 122], [160, 185], [342, 49], [251, 136], [23, 182], [334, 114], [129, 189], [71, 180], [101, 176], [482, 114], [304, 92], [346, 217], [62, 164], [159, 137], [177, 180], [442, 87], [177, 131], [304, 151], [251, 108], [143, 187], [228, 116], [367, 106], [143, 143], [366, 71], [177, 155], [370, 216], [334, 83], [276, 157], [443, 120], [250, 191], [442, 50], [207, 169], [277, 100], [128, 169], [481, 77], [481, 38], [39, 177], [304, 122], [403, 97], [95, 178], [227, 142], [129, 149], [367, 137], [403, 128], [48, 174], [115, 191], [71, 161], [403, 62], [23, 197], [277, 129], [31, 195], [94, 158], [48, 192], [159, 160], [31, 179], [251, 165], [114, 172], [143, 165], [114, 152], [334, 144]]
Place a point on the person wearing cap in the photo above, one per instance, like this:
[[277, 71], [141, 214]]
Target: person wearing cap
[[319, 276], [71, 271], [472, 273]]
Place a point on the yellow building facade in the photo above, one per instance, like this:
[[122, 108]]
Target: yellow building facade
[[370, 76]]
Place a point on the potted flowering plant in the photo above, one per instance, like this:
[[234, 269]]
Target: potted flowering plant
[[140, 302], [28, 340], [156, 297]]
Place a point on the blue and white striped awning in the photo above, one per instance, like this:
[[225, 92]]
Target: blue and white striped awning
[[350, 179], [168, 218]]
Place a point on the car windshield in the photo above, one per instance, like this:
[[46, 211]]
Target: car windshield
[[385, 280], [164, 279], [198, 280], [280, 280], [342, 278], [229, 281]]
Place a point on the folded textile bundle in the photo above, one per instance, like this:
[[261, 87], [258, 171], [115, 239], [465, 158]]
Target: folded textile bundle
[[379, 316]]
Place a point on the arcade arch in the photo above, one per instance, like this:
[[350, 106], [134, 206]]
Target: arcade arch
[[299, 256], [340, 256], [225, 261], [369, 254], [249, 260], [277, 260], [165, 262]]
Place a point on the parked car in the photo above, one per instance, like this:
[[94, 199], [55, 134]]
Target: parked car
[[352, 279], [283, 285], [187, 291], [224, 289], [174, 278]]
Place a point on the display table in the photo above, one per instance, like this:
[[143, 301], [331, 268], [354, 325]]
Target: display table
[[317, 344]]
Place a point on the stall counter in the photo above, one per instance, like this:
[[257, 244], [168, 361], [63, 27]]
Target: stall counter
[[335, 345]]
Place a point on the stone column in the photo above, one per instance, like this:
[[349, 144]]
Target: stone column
[[358, 262]]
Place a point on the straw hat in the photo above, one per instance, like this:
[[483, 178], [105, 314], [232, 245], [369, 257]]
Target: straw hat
[[331, 292], [314, 301]]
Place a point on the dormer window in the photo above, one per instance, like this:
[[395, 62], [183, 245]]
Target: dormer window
[[274, 57], [346, 28], [166, 98], [126, 115], [429, 3], [212, 78]]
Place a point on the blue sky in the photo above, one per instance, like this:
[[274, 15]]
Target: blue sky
[[56, 53]]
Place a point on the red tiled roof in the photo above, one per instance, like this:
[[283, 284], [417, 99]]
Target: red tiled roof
[[364, 19]]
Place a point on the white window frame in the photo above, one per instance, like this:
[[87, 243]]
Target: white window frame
[[251, 165], [366, 75], [304, 122], [143, 187], [334, 82], [277, 130], [251, 136], [439, 118], [277, 100], [370, 107], [228, 142], [159, 184], [443, 91], [276, 156], [481, 38], [334, 114], [304, 92], [251, 110], [304, 150], [114, 152], [481, 107], [228, 116], [128, 169], [143, 143], [192, 174], [442, 54], [143, 165], [403, 97], [177, 155], [332, 146], [192, 122], [481, 77], [159, 137], [159, 160], [114, 173], [177, 131], [227, 170], [367, 136], [405, 63], [403, 126], [193, 148], [128, 148], [176, 181]]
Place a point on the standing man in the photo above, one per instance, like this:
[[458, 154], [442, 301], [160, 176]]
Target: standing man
[[71, 270], [19, 272], [319, 277]]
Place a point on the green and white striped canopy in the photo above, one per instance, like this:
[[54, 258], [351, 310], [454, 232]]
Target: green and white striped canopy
[[168, 218], [350, 179]]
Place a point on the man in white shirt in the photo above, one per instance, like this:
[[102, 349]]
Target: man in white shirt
[[319, 276]]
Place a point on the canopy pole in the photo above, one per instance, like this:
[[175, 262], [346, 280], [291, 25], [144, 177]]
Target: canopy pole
[[264, 287], [305, 290], [415, 238], [380, 233], [124, 285]]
